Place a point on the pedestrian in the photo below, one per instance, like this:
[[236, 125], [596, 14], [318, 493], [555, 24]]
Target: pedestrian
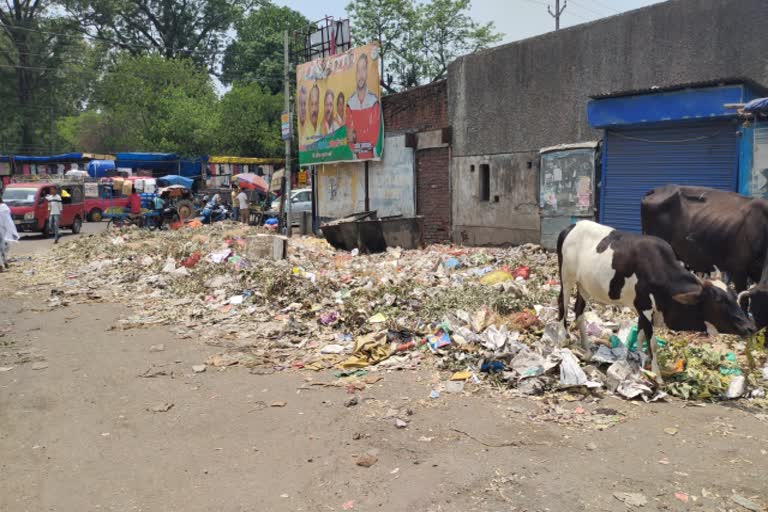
[[8, 234], [233, 202], [242, 200], [54, 213]]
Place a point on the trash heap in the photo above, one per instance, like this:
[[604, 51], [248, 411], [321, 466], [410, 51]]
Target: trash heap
[[484, 314]]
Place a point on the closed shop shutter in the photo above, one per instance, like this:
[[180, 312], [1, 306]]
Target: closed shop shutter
[[638, 160]]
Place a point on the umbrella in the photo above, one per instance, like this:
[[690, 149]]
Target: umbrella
[[252, 181]]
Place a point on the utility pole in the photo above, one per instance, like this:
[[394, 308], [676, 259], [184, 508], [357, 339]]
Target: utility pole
[[558, 12], [287, 106]]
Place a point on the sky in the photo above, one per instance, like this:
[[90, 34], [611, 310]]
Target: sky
[[516, 19]]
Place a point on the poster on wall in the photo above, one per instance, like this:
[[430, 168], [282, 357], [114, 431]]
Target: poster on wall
[[338, 102]]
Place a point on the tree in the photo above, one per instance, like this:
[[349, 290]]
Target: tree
[[256, 54], [194, 29], [448, 32], [382, 21], [38, 52], [250, 121], [418, 40], [151, 103]]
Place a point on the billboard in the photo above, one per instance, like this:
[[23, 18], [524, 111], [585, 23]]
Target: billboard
[[338, 102]]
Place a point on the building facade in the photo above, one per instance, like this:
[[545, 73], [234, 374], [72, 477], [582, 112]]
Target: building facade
[[507, 103]]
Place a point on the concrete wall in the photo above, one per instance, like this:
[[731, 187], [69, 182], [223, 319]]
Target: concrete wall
[[508, 102], [511, 216], [533, 93], [341, 187]]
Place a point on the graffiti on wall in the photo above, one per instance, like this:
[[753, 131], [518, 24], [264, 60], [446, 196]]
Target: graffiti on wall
[[566, 181]]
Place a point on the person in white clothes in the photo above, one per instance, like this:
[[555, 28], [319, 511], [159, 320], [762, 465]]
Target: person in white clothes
[[242, 203], [55, 207], [8, 234]]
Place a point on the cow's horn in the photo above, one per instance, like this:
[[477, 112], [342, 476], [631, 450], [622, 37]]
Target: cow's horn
[[743, 295]]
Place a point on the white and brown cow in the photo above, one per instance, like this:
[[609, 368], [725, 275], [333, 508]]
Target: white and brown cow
[[641, 272]]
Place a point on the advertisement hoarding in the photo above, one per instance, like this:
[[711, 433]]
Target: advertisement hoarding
[[285, 126], [338, 103]]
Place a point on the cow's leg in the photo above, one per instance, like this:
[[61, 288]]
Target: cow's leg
[[645, 333], [564, 301], [581, 305]]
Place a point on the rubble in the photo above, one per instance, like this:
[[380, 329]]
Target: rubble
[[268, 303]]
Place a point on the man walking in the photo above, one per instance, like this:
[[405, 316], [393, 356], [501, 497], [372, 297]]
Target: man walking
[[242, 203], [233, 202], [8, 234], [54, 213]]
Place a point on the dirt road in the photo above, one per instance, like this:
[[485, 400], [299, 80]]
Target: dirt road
[[84, 426]]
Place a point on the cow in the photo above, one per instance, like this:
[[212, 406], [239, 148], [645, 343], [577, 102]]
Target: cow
[[715, 230], [641, 272]]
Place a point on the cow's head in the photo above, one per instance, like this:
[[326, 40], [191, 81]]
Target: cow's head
[[755, 301], [719, 307]]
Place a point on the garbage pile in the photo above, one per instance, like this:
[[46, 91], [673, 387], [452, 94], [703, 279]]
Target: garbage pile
[[484, 314]]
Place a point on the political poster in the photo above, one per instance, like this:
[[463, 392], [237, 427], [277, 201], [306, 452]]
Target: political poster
[[338, 102], [285, 126]]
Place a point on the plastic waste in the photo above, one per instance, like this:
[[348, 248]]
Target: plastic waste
[[737, 388], [496, 277], [492, 367], [451, 263], [571, 373]]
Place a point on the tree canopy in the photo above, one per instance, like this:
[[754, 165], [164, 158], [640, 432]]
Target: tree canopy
[[256, 54], [189, 76], [418, 39]]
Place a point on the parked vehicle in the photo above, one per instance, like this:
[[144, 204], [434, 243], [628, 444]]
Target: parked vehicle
[[101, 197], [181, 198], [29, 209], [215, 213], [301, 201]]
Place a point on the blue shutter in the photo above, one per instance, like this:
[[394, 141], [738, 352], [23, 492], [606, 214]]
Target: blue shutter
[[638, 160]]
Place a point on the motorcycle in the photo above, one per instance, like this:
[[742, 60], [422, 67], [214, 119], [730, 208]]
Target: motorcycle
[[215, 213], [166, 217]]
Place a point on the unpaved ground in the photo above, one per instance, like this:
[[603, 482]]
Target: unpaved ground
[[78, 436]]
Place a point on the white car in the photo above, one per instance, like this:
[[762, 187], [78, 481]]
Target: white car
[[301, 201]]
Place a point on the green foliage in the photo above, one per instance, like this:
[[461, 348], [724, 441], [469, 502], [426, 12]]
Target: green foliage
[[256, 54], [44, 70], [193, 29], [250, 121], [418, 40], [157, 104]]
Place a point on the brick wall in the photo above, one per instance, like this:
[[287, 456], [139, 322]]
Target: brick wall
[[416, 110], [423, 109], [433, 199]]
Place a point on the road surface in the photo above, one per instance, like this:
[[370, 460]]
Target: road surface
[[84, 426]]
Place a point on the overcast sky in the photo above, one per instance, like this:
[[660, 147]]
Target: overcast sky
[[516, 19]]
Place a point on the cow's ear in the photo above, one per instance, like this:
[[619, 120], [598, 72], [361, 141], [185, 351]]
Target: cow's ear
[[688, 298]]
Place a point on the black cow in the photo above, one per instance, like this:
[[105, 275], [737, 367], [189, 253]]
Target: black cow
[[641, 272], [715, 230]]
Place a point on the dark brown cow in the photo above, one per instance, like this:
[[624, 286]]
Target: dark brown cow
[[715, 230]]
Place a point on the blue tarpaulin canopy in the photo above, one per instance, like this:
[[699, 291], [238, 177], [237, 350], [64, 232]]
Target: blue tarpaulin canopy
[[173, 179], [758, 106], [100, 168], [168, 162]]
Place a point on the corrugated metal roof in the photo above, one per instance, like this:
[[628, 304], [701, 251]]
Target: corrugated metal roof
[[758, 88]]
